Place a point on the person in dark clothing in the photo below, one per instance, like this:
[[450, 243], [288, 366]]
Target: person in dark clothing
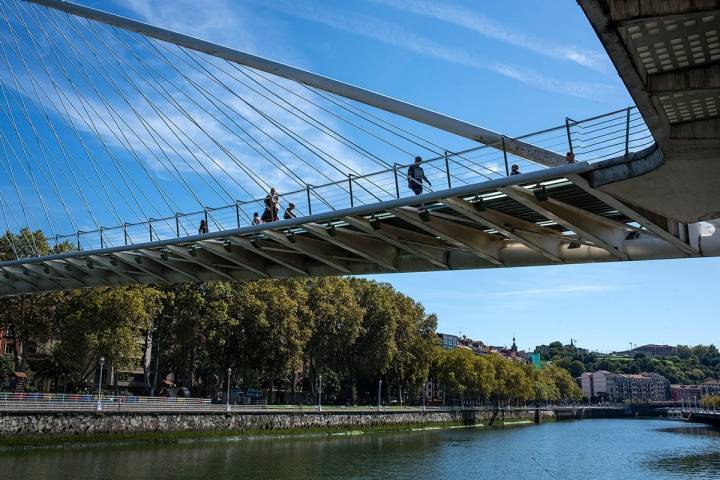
[[289, 211], [515, 169], [256, 219], [416, 177], [271, 207], [570, 157], [203, 229]]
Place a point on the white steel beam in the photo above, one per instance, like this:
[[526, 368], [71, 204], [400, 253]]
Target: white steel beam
[[155, 256], [398, 107], [371, 249], [312, 248], [634, 215], [137, 262], [601, 231], [542, 240], [235, 256], [285, 261], [400, 238], [475, 241], [201, 259]]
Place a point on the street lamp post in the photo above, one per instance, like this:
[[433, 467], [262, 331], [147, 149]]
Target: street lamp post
[[379, 394], [424, 391], [98, 405], [319, 392], [227, 398]]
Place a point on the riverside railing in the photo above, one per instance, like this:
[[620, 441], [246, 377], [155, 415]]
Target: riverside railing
[[41, 402], [590, 140]]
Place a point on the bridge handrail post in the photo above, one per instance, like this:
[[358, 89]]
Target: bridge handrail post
[[397, 185], [307, 191], [150, 228], [102, 241], [447, 168], [507, 168], [627, 132], [237, 213], [78, 240], [352, 201], [177, 224], [569, 135], [205, 209], [125, 233]]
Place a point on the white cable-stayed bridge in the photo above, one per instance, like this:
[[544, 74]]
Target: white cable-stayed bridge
[[119, 139]]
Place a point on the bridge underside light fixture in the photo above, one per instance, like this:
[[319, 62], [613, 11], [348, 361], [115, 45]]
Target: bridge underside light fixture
[[375, 223], [540, 193], [573, 245], [424, 215], [254, 242], [193, 250], [227, 245], [6, 275], [479, 204], [291, 237], [114, 262], [46, 270], [164, 254], [90, 264], [138, 260], [330, 229]]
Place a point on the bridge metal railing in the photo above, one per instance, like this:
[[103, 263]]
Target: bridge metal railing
[[590, 140]]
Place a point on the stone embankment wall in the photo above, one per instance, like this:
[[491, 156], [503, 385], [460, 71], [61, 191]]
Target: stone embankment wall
[[89, 423]]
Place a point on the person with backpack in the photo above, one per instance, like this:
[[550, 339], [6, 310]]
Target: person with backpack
[[416, 177]]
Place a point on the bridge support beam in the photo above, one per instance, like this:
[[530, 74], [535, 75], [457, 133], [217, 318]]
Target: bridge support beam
[[634, 215], [156, 271], [542, 240], [311, 248], [156, 256], [477, 242], [600, 231], [369, 248], [204, 260], [404, 240], [283, 260], [232, 255]]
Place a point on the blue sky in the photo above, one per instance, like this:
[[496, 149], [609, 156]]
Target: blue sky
[[513, 73]]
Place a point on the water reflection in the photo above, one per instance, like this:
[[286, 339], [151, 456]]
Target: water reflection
[[587, 449], [702, 464]]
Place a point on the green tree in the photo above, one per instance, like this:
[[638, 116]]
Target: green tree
[[109, 323]]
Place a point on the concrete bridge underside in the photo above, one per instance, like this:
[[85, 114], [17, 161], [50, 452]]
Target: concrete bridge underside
[[668, 54]]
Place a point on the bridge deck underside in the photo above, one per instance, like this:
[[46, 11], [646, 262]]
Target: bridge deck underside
[[542, 218], [668, 54]]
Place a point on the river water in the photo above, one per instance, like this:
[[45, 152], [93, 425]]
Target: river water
[[587, 449]]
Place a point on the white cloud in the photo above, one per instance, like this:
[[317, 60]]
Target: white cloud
[[471, 20], [393, 34]]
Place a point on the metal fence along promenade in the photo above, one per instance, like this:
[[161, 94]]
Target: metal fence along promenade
[[590, 140], [54, 402]]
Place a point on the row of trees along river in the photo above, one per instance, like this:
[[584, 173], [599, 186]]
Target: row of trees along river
[[276, 335]]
